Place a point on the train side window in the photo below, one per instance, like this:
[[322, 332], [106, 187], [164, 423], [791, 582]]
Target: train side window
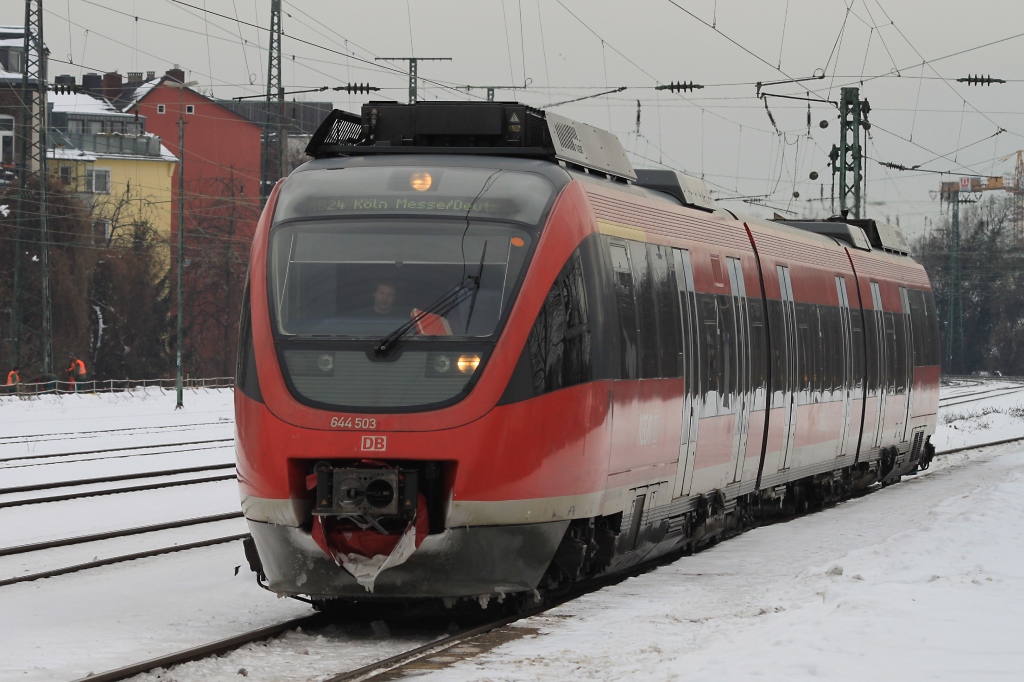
[[757, 352], [710, 367], [900, 328], [727, 353], [246, 375], [559, 342], [918, 320], [856, 382], [833, 373], [805, 355], [891, 352], [647, 315], [663, 277], [819, 335], [777, 327], [626, 305], [871, 336]]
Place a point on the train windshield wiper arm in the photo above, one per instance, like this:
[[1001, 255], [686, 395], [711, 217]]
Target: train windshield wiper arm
[[476, 289], [448, 300]]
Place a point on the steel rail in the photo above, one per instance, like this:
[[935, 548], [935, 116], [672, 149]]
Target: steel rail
[[109, 535], [109, 458], [112, 479], [212, 649], [1004, 441], [77, 435], [113, 491], [389, 664], [134, 447], [120, 559], [982, 396]]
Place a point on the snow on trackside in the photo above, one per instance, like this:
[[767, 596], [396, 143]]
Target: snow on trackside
[[43, 414], [924, 580], [921, 580]]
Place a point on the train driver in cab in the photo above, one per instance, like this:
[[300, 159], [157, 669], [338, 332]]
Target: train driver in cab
[[384, 306]]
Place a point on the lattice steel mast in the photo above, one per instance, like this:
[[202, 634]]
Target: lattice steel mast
[[33, 162], [848, 158], [275, 88]]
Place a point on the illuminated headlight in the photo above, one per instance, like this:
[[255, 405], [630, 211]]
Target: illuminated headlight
[[442, 364], [468, 363]]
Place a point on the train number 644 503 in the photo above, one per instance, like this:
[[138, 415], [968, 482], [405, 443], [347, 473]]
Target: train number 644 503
[[350, 423]]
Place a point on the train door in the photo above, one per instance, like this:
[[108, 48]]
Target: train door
[[741, 363], [844, 375], [789, 383], [908, 364], [690, 350], [881, 363]]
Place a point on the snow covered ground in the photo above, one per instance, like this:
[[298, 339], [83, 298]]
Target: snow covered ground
[[922, 580]]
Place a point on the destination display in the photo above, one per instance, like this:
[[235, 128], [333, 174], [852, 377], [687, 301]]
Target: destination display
[[462, 192]]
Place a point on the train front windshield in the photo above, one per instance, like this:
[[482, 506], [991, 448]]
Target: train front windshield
[[352, 267]]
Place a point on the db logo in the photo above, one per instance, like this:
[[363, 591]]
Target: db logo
[[374, 443]]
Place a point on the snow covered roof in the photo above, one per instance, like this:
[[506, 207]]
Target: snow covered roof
[[68, 154], [142, 91], [83, 103], [94, 146]]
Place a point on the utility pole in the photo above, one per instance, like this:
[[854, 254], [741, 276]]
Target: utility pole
[[180, 339], [275, 88], [955, 336], [848, 158], [955, 311], [414, 71], [33, 159]]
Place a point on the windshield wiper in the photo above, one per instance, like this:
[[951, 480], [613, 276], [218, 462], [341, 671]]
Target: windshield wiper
[[476, 289], [443, 305]]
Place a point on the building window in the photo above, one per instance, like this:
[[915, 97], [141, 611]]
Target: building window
[[190, 108], [97, 180], [101, 232], [161, 108], [76, 127], [67, 175], [10, 59], [7, 139]]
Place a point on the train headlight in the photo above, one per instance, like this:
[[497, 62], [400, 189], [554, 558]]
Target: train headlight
[[468, 363], [325, 362], [421, 181], [442, 364]]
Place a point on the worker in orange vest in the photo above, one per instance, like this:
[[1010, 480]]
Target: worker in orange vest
[[76, 371], [13, 379]]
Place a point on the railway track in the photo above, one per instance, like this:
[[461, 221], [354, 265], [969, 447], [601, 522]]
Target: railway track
[[172, 446], [980, 395], [124, 489], [103, 433], [97, 563]]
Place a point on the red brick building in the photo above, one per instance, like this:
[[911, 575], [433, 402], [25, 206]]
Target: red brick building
[[222, 205]]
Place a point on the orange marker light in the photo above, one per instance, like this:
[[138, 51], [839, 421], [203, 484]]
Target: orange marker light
[[518, 241], [421, 182]]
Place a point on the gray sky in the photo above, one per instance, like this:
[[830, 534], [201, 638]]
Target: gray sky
[[564, 49]]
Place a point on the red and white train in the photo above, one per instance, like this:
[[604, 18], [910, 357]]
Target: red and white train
[[480, 354]]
